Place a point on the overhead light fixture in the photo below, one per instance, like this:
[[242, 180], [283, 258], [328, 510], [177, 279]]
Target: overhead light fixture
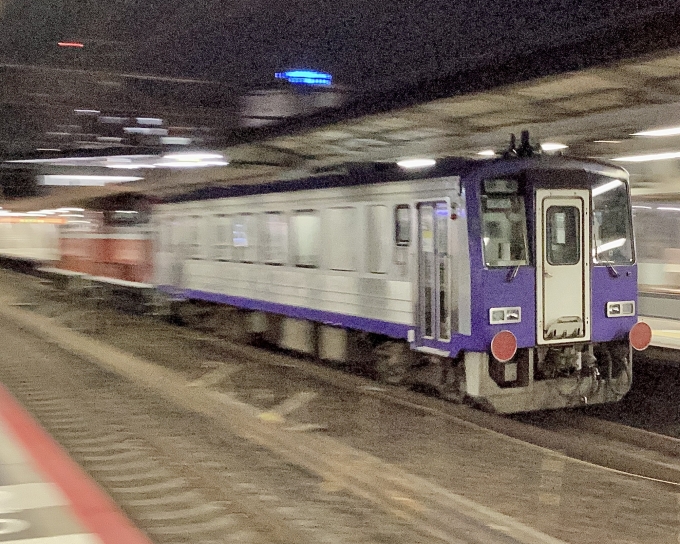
[[606, 141], [82, 180], [149, 121], [672, 131], [191, 159], [305, 77], [652, 157], [175, 140], [487, 153], [192, 156], [416, 163], [552, 146], [668, 209]]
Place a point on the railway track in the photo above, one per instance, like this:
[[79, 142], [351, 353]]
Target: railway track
[[573, 433], [181, 478], [200, 373]]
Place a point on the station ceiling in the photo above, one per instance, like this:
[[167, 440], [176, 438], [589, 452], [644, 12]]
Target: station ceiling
[[589, 96]]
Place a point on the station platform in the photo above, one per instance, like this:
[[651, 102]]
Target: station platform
[[665, 332], [45, 497]]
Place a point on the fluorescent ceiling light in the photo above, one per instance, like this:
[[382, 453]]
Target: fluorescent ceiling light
[[606, 141], [81, 180], [668, 209], [652, 157], [607, 187], [673, 131], [149, 121], [191, 159], [417, 163], [642, 207], [487, 153], [197, 164], [551, 146], [192, 156]]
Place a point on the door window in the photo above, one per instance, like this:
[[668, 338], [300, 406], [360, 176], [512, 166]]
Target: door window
[[563, 245]]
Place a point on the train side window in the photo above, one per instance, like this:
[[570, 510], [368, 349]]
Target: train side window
[[274, 238], [223, 240], [377, 240], [164, 235], [194, 237], [563, 245], [341, 238], [402, 225], [176, 229], [305, 228], [244, 233], [203, 240]]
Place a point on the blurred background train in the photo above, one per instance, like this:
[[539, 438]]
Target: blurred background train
[[511, 282]]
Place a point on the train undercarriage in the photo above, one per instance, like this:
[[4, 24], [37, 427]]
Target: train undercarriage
[[535, 378]]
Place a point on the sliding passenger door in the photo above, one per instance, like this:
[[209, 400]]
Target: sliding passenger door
[[433, 307]]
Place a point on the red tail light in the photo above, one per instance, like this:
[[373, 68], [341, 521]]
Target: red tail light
[[640, 336], [504, 346]]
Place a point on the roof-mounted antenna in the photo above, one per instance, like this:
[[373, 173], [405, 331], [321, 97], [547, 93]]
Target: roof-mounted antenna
[[512, 150], [525, 149]]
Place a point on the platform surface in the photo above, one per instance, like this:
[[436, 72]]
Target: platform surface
[[45, 497]]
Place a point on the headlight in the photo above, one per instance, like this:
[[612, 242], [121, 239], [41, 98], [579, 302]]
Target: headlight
[[505, 315], [624, 308]]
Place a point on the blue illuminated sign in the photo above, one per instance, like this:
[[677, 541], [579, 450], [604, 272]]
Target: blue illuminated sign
[[305, 77]]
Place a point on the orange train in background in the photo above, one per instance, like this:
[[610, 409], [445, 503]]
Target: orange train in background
[[100, 247], [113, 242]]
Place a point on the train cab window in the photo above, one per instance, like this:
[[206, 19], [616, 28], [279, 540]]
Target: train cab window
[[504, 224], [305, 226], [402, 225], [612, 226], [563, 230]]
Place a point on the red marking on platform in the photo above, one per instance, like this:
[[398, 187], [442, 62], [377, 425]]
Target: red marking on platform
[[70, 44], [94, 509]]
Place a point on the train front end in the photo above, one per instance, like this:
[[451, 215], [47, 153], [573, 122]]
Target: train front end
[[557, 286]]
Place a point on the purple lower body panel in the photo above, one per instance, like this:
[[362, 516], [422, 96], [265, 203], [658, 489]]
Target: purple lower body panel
[[609, 287]]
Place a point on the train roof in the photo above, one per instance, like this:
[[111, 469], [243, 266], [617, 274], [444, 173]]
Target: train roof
[[357, 174]]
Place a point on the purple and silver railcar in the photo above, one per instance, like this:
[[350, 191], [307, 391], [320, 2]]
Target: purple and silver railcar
[[511, 282]]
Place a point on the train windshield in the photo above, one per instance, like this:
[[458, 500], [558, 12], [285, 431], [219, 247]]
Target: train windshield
[[612, 228], [504, 223]]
